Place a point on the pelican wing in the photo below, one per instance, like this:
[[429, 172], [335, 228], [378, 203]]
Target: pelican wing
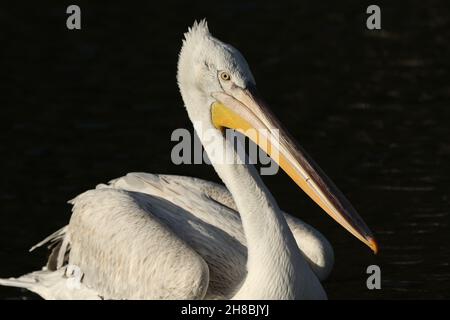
[[202, 215], [125, 252]]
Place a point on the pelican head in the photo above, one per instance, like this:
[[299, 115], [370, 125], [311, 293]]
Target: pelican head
[[219, 91], [207, 65]]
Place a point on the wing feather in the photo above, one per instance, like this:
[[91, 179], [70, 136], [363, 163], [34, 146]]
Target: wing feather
[[125, 251]]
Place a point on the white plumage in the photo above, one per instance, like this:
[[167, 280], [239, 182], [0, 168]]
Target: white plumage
[[146, 236]]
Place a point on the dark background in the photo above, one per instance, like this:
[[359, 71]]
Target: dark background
[[372, 108]]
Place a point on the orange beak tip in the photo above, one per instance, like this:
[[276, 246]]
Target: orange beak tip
[[373, 245]]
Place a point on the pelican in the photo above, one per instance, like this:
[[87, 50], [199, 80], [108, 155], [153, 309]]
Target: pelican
[[149, 236]]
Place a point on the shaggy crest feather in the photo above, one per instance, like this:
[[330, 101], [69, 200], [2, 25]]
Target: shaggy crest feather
[[198, 29]]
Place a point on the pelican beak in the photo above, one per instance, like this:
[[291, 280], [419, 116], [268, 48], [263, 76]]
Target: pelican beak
[[244, 111]]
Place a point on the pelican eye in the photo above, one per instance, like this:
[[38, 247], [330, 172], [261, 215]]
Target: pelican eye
[[225, 76]]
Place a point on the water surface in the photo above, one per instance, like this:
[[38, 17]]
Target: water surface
[[372, 108]]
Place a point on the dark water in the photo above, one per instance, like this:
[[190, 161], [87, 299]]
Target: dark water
[[372, 108]]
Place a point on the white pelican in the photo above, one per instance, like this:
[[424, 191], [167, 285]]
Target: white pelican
[[146, 236]]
